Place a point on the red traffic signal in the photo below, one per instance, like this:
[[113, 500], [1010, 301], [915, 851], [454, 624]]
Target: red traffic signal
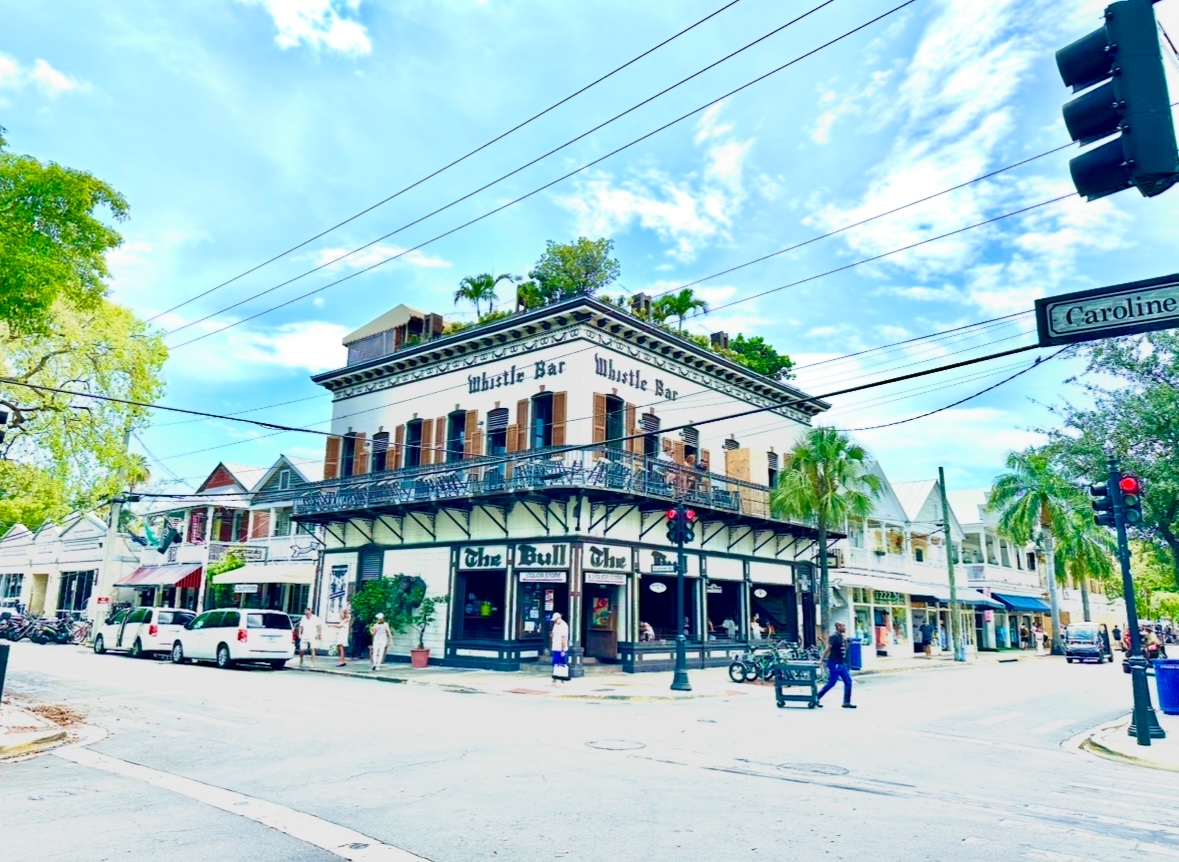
[[672, 514], [690, 514], [1130, 485]]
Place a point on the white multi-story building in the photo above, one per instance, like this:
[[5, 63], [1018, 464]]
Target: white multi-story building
[[525, 467]]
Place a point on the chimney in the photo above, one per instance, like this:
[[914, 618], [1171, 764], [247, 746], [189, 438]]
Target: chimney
[[720, 339], [640, 305]]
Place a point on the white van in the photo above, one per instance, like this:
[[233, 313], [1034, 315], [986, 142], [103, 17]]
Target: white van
[[234, 635], [141, 631]]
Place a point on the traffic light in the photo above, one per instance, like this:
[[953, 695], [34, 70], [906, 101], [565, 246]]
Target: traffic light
[[170, 536], [1102, 505], [689, 526], [1131, 493], [673, 526], [1132, 103]]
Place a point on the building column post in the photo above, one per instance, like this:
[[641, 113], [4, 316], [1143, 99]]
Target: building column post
[[576, 612]]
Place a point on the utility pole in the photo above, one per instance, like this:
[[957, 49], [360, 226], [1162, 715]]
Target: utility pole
[[105, 580], [955, 617]]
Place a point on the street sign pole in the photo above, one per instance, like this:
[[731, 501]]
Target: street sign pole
[[1145, 724], [679, 680]]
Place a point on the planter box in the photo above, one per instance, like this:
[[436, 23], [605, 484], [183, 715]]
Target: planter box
[[419, 657]]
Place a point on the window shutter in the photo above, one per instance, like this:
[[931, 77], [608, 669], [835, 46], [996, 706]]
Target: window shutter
[[634, 444], [512, 443], [398, 447], [678, 451], [475, 444], [705, 458], [469, 432], [599, 423], [523, 429], [360, 459], [259, 524], [370, 564], [331, 458], [427, 454], [560, 410], [439, 440]]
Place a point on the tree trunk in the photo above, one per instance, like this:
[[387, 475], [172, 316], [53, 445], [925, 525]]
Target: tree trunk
[[1173, 545], [1085, 600], [824, 589], [1053, 603]]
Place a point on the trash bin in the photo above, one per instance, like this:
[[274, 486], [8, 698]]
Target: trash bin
[[1166, 682], [855, 654]]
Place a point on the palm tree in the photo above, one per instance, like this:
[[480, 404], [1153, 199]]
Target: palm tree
[[826, 479], [477, 288], [678, 305], [1035, 503], [1087, 551]]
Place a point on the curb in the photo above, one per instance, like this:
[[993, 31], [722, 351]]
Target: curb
[[32, 742], [1098, 749]]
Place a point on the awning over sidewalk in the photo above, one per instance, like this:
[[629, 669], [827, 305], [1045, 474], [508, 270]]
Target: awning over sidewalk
[[941, 593], [1022, 603], [186, 576], [274, 573], [843, 579]]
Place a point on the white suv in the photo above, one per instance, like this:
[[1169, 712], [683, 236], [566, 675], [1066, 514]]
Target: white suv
[[141, 631], [236, 635]]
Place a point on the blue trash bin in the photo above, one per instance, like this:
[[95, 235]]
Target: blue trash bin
[[1166, 683], [855, 654]]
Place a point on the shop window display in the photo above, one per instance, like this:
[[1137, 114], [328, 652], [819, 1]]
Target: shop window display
[[483, 605], [657, 606]]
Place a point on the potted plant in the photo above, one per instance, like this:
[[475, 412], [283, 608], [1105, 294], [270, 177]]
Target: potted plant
[[421, 619]]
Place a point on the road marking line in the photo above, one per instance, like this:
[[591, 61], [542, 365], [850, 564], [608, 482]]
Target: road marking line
[[1052, 725], [333, 838], [1000, 718], [1121, 791]]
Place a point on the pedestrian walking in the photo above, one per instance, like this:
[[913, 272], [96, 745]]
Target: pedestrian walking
[[559, 641], [340, 633], [309, 632], [1039, 639], [1117, 636], [381, 636], [1023, 636], [837, 670], [927, 638]]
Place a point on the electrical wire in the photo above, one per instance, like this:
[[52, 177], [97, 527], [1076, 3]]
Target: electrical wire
[[523, 197], [454, 163]]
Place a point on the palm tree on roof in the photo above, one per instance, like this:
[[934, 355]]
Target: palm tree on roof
[[678, 305], [477, 289]]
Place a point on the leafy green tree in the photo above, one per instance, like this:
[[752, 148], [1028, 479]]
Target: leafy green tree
[[52, 244], [395, 597], [827, 479], [29, 495], [477, 289], [678, 305], [1136, 417], [755, 354], [1087, 551], [571, 269], [71, 442], [1035, 502]]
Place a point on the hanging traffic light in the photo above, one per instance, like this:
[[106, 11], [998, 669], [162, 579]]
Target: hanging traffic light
[[1131, 493], [1124, 57], [673, 526], [689, 526], [1102, 505], [170, 536]]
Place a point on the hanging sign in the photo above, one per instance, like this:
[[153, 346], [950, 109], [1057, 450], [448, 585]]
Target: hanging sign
[[1122, 309], [542, 556]]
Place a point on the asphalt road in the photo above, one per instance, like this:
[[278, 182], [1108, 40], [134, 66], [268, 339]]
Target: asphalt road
[[201, 764]]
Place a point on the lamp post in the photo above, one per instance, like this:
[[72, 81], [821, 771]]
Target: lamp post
[[679, 523]]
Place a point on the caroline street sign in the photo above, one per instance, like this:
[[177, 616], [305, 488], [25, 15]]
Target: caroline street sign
[[1123, 309]]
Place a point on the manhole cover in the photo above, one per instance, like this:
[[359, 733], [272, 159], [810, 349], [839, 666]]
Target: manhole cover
[[615, 744], [814, 768]]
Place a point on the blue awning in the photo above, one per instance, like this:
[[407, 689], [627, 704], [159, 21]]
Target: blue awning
[[1022, 603]]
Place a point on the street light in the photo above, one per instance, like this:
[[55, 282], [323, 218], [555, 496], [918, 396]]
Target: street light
[[681, 522]]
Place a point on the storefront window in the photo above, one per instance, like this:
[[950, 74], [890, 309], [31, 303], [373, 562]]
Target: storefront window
[[900, 625], [482, 607], [74, 593], [777, 611], [657, 606], [538, 601], [864, 623], [723, 606]]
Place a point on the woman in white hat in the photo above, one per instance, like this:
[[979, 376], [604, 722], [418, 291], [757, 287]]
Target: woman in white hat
[[381, 635]]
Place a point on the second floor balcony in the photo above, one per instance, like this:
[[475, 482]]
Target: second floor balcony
[[555, 472], [979, 574]]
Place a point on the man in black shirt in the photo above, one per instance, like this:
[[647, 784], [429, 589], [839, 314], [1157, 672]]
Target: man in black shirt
[[837, 669]]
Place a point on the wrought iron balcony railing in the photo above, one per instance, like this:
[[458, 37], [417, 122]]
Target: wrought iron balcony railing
[[538, 471]]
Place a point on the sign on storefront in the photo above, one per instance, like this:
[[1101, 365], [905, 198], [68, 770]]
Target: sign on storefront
[[484, 557], [616, 579], [607, 558], [655, 562], [245, 588], [542, 577], [542, 556]]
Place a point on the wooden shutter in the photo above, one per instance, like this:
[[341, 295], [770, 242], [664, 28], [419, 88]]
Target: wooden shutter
[[678, 451], [512, 442], [259, 524], [599, 423], [360, 456], [331, 458], [469, 431], [523, 429], [635, 444], [475, 444], [439, 440], [560, 411], [427, 454], [398, 447]]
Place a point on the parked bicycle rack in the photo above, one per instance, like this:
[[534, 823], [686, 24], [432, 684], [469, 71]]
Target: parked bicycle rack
[[797, 674]]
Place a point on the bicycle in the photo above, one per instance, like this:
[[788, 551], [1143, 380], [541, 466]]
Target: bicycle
[[80, 633]]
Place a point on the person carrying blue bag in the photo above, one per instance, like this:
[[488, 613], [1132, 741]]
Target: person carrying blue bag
[[836, 657]]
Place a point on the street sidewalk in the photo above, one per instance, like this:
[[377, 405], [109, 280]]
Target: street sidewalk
[[1112, 742], [22, 731], [608, 682]]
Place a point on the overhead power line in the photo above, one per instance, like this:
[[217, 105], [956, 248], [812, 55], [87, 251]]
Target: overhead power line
[[530, 194], [454, 163]]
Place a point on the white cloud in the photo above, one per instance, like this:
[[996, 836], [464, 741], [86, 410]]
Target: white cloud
[[41, 76], [318, 24], [688, 212], [375, 254], [310, 346]]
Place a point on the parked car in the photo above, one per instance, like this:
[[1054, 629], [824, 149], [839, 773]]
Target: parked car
[[1082, 642], [235, 635], [141, 631]]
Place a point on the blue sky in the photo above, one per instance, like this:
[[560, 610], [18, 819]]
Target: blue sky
[[237, 128]]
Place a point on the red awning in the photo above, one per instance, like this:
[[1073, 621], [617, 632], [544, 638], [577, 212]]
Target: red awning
[[185, 577]]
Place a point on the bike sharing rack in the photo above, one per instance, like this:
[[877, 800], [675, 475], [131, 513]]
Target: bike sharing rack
[[796, 675]]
